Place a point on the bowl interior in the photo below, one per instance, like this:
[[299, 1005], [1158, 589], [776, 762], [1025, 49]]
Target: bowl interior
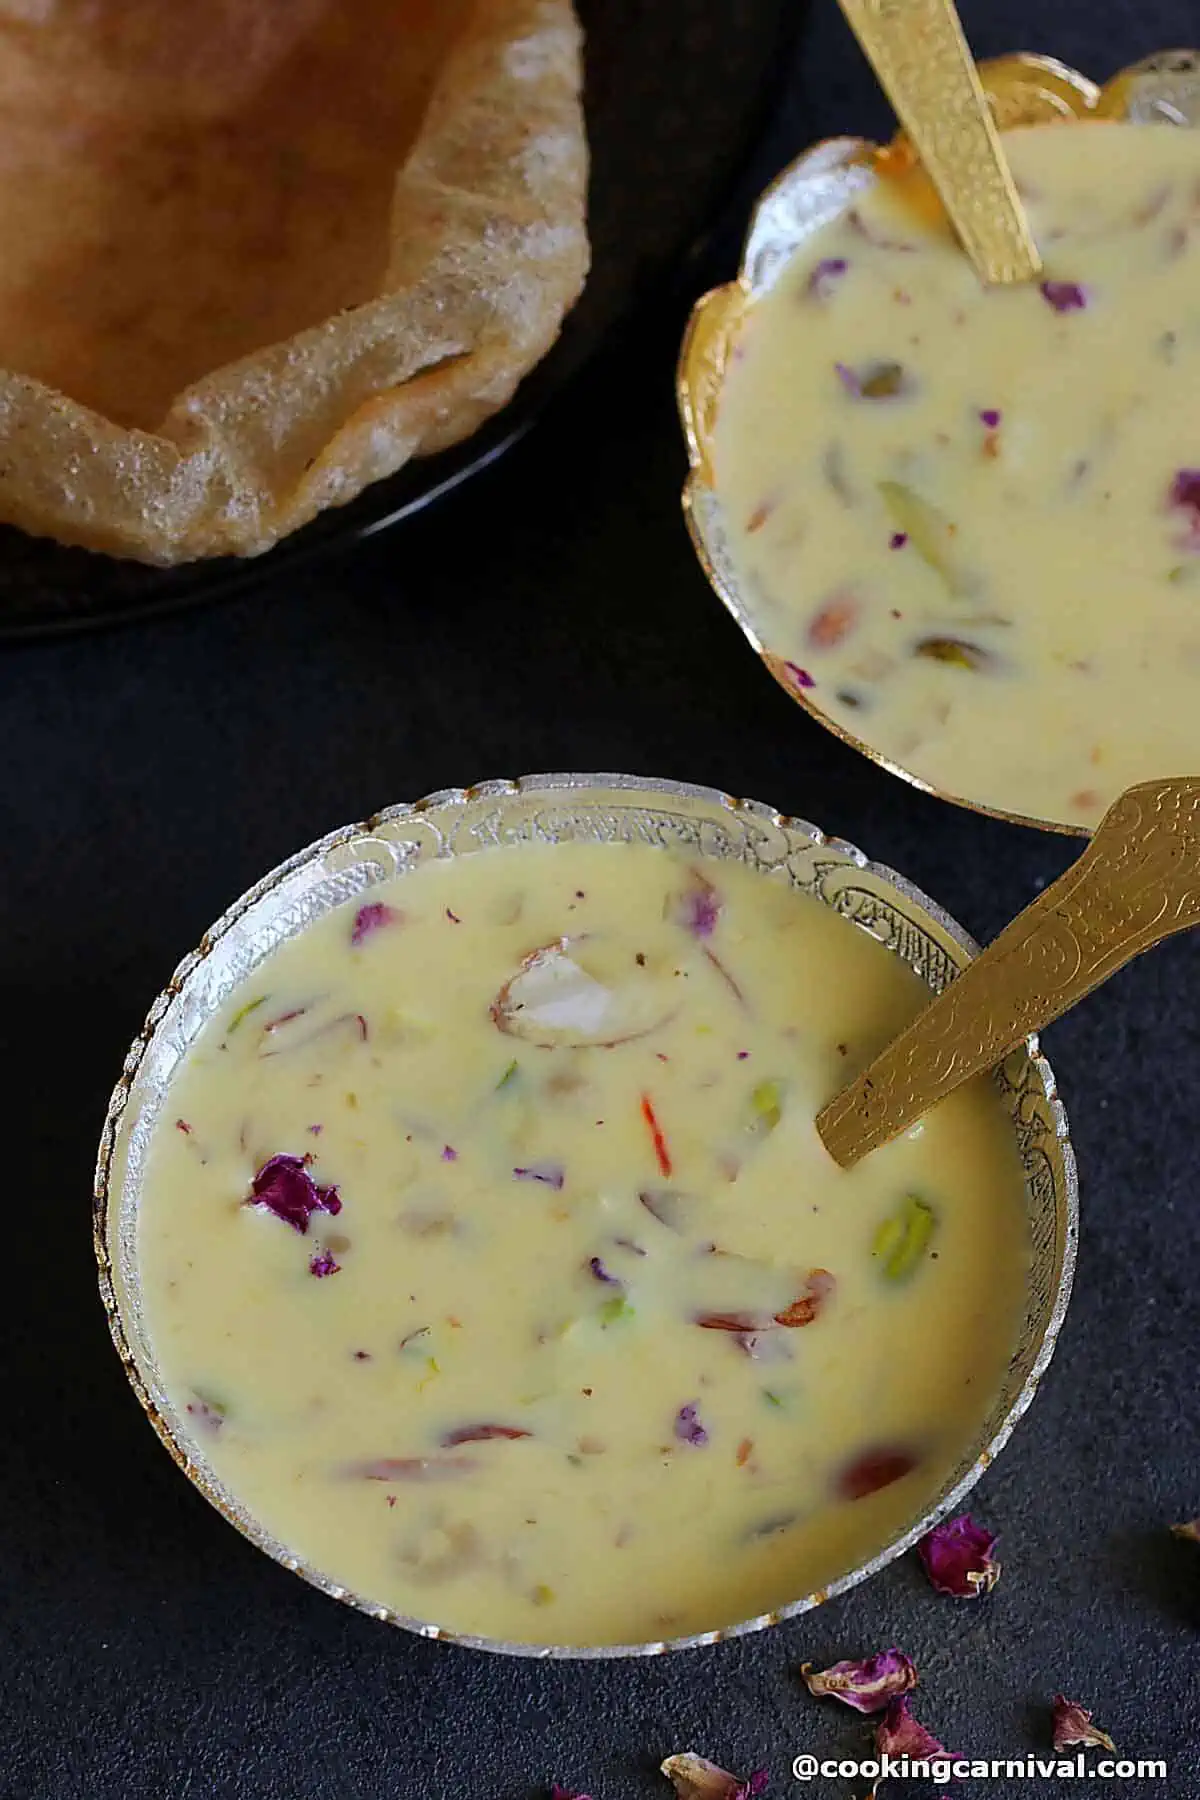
[[551, 809]]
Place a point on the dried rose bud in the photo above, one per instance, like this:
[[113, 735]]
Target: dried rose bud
[[695, 1778], [958, 1558], [1073, 1725], [899, 1734], [867, 1686]]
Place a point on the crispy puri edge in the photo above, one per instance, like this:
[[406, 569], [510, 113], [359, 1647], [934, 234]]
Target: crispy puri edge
[[488, 254]]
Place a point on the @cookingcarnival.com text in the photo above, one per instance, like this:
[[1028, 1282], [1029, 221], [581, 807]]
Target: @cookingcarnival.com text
[[807, 1767]]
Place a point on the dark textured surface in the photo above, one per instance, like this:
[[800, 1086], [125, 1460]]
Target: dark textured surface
[[663, 156], [549, 617]]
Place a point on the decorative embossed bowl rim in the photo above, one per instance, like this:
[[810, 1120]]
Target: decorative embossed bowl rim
[[552, 809], [811, 192]]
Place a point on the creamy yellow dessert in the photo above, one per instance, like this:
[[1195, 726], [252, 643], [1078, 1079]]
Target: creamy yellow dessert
[[967, 520], [491, 1257]]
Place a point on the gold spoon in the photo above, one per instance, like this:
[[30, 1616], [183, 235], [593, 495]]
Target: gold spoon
[[1136, 883], [920, 55]]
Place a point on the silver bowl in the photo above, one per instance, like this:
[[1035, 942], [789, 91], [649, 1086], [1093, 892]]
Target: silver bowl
[[810, 193], [551, 809]]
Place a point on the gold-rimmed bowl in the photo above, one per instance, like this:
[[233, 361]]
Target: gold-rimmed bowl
[[812, 192], [551, 809]]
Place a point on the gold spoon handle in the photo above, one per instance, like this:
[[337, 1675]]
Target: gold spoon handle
[[1136, 883], [920, 56]]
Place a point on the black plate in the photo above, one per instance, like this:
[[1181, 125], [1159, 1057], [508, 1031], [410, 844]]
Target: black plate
[[676, 96]]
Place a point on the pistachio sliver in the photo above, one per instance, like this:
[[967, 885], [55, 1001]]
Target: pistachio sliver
[[957, 652], [766, 1107], [902, 1240], [927, 529]]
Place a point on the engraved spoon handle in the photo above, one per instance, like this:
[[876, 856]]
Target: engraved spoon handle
[[1136, 883], [920, 56]]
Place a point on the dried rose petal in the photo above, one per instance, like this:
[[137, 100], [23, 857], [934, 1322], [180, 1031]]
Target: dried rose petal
[[1184, 496], [370, 918], [596, 1265], [699, 907], [899, 1734], [1185, 490], [867, 1686], [285, 1187], [825, 277], [1073, 1725], [688, 1428], [957, 1556], [1064, 296], [207, 1413], [481, 1434], [798, 677], [695, 1778], [1191, 1529], [990, 416], [323, 1264]]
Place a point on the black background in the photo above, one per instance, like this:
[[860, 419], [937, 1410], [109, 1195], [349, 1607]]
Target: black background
[[550, 616]]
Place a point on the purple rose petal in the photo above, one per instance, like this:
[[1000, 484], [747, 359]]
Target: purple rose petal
[[897, 540], [370, 918], [1073, 1725], [825, 277], [206, 1413], [1184, 497], [990, 416], [798, 677], [324, 1264], [1064, 296], [699, 908], [867, 1686], [899, 1734], [688, 1428], [601, 1273], [285, 1187], [958, 1560]]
